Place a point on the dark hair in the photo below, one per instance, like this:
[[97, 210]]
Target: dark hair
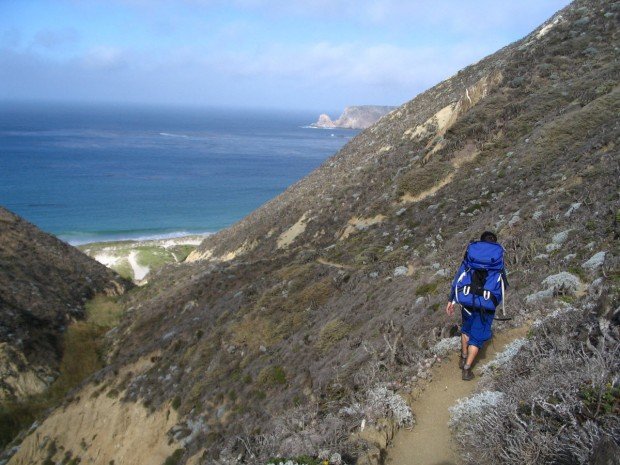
[[488, 236]]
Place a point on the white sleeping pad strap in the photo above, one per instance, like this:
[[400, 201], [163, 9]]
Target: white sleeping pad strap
[[503, 296]]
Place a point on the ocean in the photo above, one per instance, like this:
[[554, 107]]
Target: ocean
[[105, 172]]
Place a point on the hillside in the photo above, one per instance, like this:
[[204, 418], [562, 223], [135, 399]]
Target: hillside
[[44, 285], [322, 310]]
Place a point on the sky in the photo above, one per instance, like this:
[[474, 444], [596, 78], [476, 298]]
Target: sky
[[286, 54]]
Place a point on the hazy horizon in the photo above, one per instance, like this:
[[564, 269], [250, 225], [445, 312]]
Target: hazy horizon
[[181, 106], [319, 56]]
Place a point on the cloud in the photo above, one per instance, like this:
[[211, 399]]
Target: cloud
[[261, 53], [55, 38], [454, 15], [450, 15], [104, 58], [322, 74], [345, 65]]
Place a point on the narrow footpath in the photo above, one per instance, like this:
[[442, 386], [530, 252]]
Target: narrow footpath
[[430, 442]]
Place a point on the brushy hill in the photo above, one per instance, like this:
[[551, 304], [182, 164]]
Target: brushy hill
[[44, 285], [283, 333], [554, 396]]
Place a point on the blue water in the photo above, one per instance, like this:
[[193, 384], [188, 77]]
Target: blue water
[[89, 173]]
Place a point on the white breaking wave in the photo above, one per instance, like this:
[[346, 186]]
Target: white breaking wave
[[78, 239], [171, 235], [167, 134]]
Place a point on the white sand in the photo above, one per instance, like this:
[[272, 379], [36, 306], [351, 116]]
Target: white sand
[[106, 259], [139, 271]]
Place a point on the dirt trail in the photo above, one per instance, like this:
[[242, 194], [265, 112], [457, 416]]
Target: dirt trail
[[322, 261], [429, 442]]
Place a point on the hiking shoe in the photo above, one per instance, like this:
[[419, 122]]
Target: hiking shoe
[[462, 362], [468, 374]]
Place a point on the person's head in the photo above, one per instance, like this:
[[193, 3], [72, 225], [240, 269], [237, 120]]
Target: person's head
[[488, 236]]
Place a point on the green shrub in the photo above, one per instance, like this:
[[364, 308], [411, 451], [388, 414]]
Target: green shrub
[[175, 457], [603, 400], [427, 289], [15, 416], [272, 376], [579, 272], [301, 460], [260, 395]]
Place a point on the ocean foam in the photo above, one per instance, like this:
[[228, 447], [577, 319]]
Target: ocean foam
[[77, 238], [168, 134]]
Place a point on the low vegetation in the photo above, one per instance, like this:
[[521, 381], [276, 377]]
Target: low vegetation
[[331, 333], [82, 355], [151, 254], [556, 400]]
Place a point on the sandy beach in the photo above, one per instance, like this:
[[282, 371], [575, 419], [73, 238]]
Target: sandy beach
[[135, 259]]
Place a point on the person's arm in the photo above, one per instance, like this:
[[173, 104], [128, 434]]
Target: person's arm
[[458, 274], [452, 296]]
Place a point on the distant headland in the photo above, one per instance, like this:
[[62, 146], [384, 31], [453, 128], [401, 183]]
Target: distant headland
[[354, 117]]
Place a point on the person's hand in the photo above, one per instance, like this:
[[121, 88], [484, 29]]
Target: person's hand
[[450, 308]]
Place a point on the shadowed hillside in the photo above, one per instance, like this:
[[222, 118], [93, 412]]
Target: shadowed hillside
[[323, 309], [44, 285]]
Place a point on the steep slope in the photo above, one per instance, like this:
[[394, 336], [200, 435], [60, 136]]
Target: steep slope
[[44, 284], [281, 334]]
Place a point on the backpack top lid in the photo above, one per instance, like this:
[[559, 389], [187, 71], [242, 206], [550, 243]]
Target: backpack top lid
[[482, 255]]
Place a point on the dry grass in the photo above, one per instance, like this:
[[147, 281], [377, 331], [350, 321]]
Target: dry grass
[[576, 126], [421, 179], [103, 311], [254, 331], [316, 294], [331, 333]]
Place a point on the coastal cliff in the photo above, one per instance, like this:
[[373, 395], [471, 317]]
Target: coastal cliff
[[354, 117]]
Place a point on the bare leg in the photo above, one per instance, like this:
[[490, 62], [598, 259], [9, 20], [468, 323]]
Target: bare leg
[[464, 345], [471, 355]]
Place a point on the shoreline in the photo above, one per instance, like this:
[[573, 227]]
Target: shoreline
[[158, 240], [81, 239], [135, 259]]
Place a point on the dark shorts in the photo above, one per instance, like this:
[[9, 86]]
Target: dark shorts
[[477, 326]]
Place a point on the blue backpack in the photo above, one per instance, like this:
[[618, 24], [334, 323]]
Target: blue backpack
[[479, 283]]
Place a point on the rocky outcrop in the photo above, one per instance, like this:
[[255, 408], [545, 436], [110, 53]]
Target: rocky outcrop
[[44, 284], [356, 117]]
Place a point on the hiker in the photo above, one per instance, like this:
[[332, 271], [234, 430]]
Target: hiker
[[478, 287]]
